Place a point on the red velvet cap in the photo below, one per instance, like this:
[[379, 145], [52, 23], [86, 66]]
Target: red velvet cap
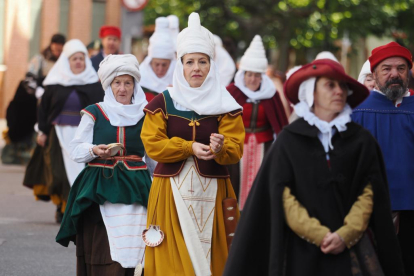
[[109, 30], [329, 69], [392, 49]]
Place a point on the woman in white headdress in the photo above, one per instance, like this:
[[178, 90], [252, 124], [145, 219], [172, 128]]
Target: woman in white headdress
[[71, 84], [193, 130], [106, 210], [158, 67], [263, 115], [224, 61], [174, 26], [365, 76]]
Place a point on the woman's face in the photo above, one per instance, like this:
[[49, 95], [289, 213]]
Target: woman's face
[[196, 68], [123, 88], [252, 80], [77, 63], [160, 66], [369, 82], [329, 98]]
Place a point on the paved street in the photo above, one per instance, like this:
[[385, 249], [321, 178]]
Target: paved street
[[28, 230]]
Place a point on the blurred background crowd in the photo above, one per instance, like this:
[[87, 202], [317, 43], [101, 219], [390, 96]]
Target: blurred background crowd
[[32, 34]]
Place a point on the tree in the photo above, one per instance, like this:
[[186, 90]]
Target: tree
[[292, 24]]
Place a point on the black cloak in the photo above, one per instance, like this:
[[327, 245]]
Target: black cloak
[[46, 166], [265, 245], [55, 96], [21, 115]]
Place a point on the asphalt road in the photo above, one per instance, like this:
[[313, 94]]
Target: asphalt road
[[28, 231]]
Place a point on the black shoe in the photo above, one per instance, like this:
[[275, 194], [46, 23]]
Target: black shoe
[[59, 214]]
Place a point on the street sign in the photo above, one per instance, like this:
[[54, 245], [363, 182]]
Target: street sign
[[134, 5]]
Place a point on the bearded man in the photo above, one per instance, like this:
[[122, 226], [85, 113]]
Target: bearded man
[[388, 113]]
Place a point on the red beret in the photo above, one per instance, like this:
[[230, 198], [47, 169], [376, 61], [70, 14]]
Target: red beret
[[329, 69], [110, 30], [392, 49]]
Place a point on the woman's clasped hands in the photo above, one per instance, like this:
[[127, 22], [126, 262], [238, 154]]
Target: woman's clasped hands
[[332, 244], [205, 152]]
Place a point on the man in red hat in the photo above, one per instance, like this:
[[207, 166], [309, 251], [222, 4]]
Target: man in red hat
[[388, 113], [111, 40]]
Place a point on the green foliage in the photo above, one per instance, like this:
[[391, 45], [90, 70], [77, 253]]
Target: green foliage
[[298, 24]]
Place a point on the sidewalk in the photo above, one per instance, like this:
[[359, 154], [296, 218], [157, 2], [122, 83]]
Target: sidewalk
[[28, 231]]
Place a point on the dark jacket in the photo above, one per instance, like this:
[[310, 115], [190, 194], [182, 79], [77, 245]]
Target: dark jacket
[[265, 245], [96, 60], [54, 99]]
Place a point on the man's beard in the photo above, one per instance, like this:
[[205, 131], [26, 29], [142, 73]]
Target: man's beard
[[393, 93]]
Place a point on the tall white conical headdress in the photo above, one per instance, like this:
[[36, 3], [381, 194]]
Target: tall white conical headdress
[[225, 63], [210, 97], [161, 44], [254, 59], [174, 27], [195, 38]]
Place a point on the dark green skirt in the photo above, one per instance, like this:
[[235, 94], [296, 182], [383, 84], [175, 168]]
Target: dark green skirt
[[96, 184]]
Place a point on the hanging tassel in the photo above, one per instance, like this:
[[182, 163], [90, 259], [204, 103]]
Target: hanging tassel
[[138, 270]]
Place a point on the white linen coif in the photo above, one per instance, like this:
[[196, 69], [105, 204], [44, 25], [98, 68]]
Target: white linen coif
[[122, 115], [195, 38], [365, 71], [150, 80], [62, 74], [174, 27], [119, 114], [306, 90], [304, 110], [211, 98], [326, 55], [254, 59], [267, 88], [116, 65], [161, 46], [224, 61], [161, 43], [326, 128]]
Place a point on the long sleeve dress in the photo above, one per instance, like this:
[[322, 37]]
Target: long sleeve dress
[[187, 193], [106, 210], [51, 172]]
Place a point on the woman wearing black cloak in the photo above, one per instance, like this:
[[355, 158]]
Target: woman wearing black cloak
[[320, 202], [71, 85]]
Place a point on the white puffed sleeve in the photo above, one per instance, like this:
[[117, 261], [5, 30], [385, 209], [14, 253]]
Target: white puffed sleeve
[[81, 146]]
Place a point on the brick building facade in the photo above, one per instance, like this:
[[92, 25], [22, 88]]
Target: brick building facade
[[26, 27]]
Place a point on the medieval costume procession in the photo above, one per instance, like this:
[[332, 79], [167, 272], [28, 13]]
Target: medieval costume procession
[[207, 139]]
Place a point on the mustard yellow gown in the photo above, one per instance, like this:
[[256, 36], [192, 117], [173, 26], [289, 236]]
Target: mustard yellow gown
[[171, 256]]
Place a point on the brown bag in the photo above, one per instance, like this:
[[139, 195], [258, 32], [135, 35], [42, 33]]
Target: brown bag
[[230, 218]]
